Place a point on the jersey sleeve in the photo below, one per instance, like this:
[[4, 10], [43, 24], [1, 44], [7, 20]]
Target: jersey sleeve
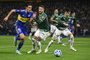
[[17, 11], [31, 15]]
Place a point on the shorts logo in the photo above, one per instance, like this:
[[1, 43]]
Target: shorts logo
[[19, 30]]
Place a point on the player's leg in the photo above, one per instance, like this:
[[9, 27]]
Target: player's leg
[[55, 37], [71, 38], [50, 43], [59, 39], [29, 37], [36, 42], [71, 41], [22, 32], [42, 36], [33, 42], [22, 37], [16, 38], [47, 34], [33, 46]]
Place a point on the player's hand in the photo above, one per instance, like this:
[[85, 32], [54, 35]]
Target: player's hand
[[34, 14], [78, 25], [1, 26], [6, 18], [66, 24]]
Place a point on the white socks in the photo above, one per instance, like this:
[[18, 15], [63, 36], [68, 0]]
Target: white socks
[[71, 40]]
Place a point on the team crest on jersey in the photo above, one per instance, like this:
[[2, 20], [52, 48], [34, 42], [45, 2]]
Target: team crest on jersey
[[43, 17]]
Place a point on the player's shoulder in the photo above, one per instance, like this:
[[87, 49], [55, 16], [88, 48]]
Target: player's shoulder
[[45, 14]]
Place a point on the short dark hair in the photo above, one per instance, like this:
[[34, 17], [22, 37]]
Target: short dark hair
[[42, 6], [28, 4], [67, 10]]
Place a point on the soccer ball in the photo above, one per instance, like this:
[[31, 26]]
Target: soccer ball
[[57, 53]]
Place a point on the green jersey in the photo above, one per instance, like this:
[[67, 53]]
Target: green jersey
[[60, 22], [42, 22], [53, 19]]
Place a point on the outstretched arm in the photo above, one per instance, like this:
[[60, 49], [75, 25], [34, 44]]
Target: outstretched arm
[[6, 18]]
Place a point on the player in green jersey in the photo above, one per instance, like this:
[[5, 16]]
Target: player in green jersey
[[43, 29], [62, 25], [54, 18]]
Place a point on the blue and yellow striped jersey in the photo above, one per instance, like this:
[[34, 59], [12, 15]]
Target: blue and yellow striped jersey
[[24, 16]]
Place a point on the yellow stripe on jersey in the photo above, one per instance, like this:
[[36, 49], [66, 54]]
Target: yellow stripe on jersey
[[22, 19]]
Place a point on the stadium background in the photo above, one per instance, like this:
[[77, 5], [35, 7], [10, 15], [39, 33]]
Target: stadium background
[[82, 9], [82, 44]]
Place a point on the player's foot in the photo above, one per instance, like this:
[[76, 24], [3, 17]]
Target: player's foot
[[39, 51], [72, 48], [46, 50], [31, 51], [15, 41], [18, 52]]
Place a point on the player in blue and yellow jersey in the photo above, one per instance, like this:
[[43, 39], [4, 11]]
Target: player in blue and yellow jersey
[[24, 15], [73, 22]]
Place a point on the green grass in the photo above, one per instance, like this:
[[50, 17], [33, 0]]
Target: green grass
[[7, 50]]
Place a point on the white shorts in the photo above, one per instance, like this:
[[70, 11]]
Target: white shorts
[[52, 28], [34, 29], [65, 32], [41, 33]]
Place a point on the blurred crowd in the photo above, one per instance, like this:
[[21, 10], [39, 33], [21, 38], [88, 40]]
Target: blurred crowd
[[81, 9]]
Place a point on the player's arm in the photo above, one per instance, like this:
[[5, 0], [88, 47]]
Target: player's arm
[[52, 19], [1, 26], [33, 17], [65, 24], [77, 23], [6, 18]]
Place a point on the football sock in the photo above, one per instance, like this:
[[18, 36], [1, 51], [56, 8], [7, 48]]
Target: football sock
[[20, 45], [33, 43], [39, 44], [50, 43], [71, 41], [59, 40]]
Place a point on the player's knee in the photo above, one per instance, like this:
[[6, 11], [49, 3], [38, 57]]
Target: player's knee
[[22, 37], [52, 41], [70, 34]]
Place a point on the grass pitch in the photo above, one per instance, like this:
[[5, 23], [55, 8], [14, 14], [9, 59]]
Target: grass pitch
[[7, 50]]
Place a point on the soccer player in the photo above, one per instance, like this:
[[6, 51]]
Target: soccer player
[[24, 15], [73, 22], [43, 28], [62, 25], [54, 18]]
